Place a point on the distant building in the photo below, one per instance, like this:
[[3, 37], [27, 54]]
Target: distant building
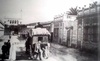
[[88, 27], [12, 21], [11, 24], [46, 25]]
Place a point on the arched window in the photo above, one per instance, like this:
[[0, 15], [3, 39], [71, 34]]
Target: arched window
[[10, 22], [15, 21]]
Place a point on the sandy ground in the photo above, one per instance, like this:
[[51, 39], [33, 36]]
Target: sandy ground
[[57, 52]]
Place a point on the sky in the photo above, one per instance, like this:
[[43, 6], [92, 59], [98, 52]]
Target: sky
[[37, 10]]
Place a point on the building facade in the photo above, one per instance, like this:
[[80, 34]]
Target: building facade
[[12, 21], [72, 31], [11, 24], [88, 27], [63, 35]]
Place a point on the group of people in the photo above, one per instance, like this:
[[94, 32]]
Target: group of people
[[5, 50], [35, 50]]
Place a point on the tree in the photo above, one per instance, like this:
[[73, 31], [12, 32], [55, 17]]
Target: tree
[[94, 4], [73, 11]]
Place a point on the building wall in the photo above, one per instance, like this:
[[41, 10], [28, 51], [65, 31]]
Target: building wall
[[11, 24], [98, 32], [80, 34], [48, 27], [57, 31], [60, 31], [71, 26], [89, 20], [74, 37]]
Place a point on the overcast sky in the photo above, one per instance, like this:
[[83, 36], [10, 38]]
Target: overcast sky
[[37, 10]]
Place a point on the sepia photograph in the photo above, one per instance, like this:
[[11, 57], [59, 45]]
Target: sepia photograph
[[49, 30]]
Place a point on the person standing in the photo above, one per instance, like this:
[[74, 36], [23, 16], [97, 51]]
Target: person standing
[[4, 51], [12, 55], [8, 47], [38, 50], [9, 36], [45, 49], [28, 45]]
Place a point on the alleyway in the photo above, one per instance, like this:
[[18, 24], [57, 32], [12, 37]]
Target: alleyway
[[57, 53]]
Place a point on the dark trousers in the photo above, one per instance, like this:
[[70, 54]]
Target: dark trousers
[[3, 56], [27, 49], [43, 53], [8, 51]]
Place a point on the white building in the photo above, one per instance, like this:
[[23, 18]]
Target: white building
[[12, 21], [74, 33], [11, 24], [60, 24]]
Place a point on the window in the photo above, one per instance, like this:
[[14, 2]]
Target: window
[[10, 22], [95, 20], [20, 22], [56, 32], [91, 38], [40, 38], [15, 21], [95, 38], [80, 21]]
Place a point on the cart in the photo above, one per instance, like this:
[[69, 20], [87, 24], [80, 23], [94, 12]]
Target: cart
[[41, 34]]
